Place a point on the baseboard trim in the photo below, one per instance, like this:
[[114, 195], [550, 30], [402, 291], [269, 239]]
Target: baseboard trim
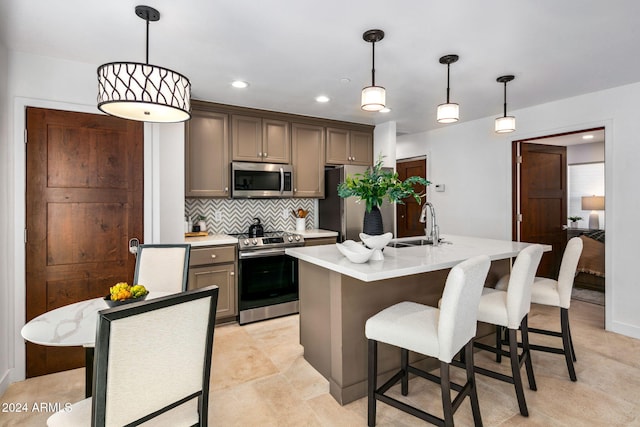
[[5, 381], [625, 329]]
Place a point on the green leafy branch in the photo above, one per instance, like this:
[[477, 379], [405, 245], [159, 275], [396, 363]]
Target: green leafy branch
[[376, 184]]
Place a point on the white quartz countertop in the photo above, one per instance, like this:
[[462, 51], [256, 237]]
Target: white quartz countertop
[[225, 239], [314, 233], [410, 260], [211, 240]]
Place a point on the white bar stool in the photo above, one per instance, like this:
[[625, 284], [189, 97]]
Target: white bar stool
[[434, 332], [509, 309], [557, 293]]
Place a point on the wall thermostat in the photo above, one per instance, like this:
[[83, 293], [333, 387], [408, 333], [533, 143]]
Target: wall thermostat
[[439, 187]]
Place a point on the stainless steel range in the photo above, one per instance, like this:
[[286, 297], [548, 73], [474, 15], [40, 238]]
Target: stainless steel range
[[267, 277]]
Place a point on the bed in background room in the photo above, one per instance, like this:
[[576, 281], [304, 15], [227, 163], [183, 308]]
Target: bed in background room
[[590, 271]]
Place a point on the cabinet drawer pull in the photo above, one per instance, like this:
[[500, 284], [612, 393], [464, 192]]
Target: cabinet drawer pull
[[259, 154], [264, 154], [232, 273], [213, 255]]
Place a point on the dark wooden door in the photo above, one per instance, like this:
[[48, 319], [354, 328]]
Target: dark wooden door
[[543, 201], [408, 214], [84, 201]]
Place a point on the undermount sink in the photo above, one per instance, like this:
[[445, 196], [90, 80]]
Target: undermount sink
[[408, 243]]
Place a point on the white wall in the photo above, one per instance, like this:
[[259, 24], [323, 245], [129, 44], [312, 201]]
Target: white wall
[[475, 165], [168, 183], [468, 159], [384, 143], [6, 303], [72, 86]]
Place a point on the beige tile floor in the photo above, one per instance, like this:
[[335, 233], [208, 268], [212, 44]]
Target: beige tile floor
[[260, 378]]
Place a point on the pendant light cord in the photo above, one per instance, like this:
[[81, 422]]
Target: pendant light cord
[[147, 19], [373, 64], [448, 65], [505, 99]]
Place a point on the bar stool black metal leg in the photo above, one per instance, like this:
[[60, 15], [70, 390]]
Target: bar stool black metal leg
[[499, 344], [404, 362], [566, 342], [88, 371], [573, 352], [372, 385], [445, 386], [526, 352], [467, 354], [515, 371]]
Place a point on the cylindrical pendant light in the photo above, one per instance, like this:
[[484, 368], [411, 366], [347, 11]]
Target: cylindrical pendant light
[[505, 123], [144, 92], [449, 112], [373, 97]]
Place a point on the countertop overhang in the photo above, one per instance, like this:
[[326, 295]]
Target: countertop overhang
[[406, 261], [225, 239]]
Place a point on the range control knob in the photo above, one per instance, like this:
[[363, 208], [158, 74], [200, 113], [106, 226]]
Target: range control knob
[[254, 241], [246, 241], [297, 238], [290, 238]]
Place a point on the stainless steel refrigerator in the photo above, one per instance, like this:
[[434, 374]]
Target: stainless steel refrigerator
[[346, 215]]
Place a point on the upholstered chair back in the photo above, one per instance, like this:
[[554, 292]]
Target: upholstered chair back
[[162, 268], [154, 356], [459, 305], [568, 270], [520, 282]]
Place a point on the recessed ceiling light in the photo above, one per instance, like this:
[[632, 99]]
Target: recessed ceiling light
[[322, 98], [587, 136], [385, 110], [239, 84]]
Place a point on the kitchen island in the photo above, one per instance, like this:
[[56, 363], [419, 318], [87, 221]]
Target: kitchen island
[[337, 297]]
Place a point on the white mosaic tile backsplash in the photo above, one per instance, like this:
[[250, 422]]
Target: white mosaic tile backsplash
[[224, 216]]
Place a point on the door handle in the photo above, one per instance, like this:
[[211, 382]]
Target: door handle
[[281, 180]]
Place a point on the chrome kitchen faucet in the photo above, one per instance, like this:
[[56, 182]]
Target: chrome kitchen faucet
[[434, 233]]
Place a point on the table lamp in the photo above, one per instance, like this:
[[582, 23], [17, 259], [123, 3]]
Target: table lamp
[[593, 204]]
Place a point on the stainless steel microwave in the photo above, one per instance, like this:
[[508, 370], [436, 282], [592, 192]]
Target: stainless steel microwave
[[261, 180]]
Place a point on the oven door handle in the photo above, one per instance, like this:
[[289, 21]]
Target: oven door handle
[[261, 253], [281, 180]]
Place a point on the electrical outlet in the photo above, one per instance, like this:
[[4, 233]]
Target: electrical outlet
[[217, 216], [285, 213]]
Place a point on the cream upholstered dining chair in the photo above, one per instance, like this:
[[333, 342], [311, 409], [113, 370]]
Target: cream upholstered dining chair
[[509, 309], [439, 333], [153, 363], [557, 293], [163, 267]]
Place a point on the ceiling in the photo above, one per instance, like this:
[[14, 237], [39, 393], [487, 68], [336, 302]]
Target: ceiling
[[291, 51]]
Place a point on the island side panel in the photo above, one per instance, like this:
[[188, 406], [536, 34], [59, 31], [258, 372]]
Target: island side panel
[[315, 327], [356, 301]]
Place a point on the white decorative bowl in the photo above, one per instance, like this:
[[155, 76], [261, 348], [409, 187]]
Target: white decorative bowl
[[376, 242], [355, 252]]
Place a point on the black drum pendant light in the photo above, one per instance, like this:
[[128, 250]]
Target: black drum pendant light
[[144, 92], [449, 112], [373, 97], [505, 123]]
